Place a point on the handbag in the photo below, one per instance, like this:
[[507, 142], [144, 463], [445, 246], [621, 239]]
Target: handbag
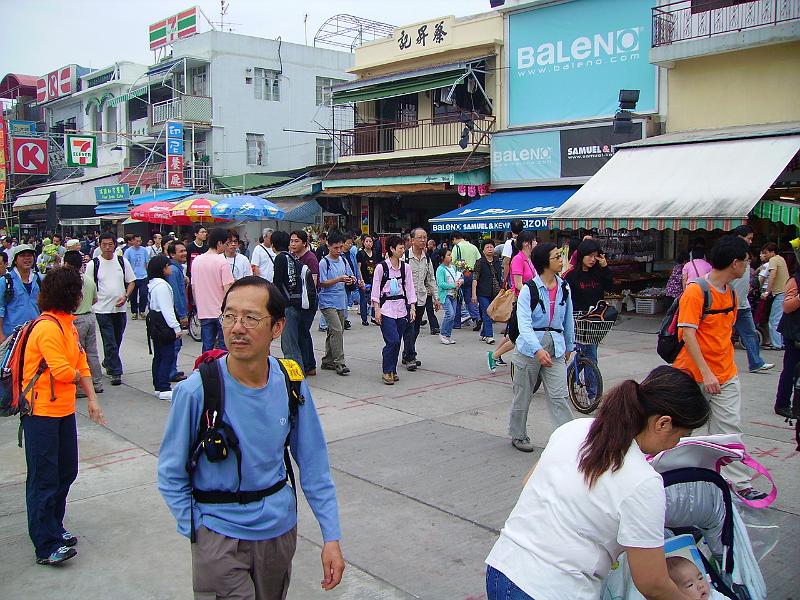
[[499, 309], [157, 328]]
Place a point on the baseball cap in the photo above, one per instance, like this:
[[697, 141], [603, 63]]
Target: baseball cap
[[120, 240], [74, 243]]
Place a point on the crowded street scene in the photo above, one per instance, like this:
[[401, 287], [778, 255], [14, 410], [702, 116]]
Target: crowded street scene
[[496, 300]]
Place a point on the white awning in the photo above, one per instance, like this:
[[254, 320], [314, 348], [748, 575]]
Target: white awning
[[37, 197], [31, 202], [701, 185]]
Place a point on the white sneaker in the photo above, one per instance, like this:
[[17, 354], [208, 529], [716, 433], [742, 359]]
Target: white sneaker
[[444, 339], [451, 341], [165, 396]]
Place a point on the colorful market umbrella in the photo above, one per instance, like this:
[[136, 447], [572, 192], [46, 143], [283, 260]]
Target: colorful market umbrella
[[196, 209], [153, 212], [246, 207]]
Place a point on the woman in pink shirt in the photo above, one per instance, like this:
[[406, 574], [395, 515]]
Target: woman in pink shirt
[[696, 268], [522, 271], [394, 303]]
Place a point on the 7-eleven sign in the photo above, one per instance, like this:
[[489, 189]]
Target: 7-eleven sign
[[81, 150]]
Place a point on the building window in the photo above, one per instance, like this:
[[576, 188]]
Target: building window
[[324, 151], [267, 85], [444, 110], [256, 149], [324, 85]]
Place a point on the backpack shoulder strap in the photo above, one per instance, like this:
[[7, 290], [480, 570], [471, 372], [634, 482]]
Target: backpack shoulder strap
[[96, 270], [564, 292], [9, 293], [213, 396], [293, 375], [704, 285], [535, 297]]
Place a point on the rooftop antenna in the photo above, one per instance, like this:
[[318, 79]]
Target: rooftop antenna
[[305, 27], [223, 10]]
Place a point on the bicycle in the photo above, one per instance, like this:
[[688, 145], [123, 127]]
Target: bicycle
[[584, 380]]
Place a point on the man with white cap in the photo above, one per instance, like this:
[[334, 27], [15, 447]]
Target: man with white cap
[[263, 257], [19, 290]]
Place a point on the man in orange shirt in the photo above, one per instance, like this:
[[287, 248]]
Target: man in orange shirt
[[708, 351]]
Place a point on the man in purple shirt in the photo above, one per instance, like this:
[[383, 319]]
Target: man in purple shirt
[[298, 246]]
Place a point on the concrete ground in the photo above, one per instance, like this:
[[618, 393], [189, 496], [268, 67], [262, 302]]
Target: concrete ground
[[424, 471]]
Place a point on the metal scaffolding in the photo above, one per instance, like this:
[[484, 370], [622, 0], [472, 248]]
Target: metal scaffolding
[[347, 31]]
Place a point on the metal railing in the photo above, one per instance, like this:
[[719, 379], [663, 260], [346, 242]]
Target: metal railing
[[192, 109], [376, 138], [198, 180], [694, 19]]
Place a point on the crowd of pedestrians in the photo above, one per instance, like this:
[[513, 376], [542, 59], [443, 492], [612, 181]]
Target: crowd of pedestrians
[[244, 303]]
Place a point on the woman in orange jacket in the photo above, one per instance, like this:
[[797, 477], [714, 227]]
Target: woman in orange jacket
[[51, 437]]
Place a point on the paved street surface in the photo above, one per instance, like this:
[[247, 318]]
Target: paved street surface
[[424, 471]]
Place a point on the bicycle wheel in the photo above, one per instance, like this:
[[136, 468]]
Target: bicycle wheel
[[194, 327], [584, 371]]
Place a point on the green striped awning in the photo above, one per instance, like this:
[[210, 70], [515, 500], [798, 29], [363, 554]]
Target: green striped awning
[[141, 91], [392, 89], [787, 213], [676, 223]]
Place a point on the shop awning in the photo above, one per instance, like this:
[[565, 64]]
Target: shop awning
[[304, 212], [135, 93], [496, 211], [249, 182], [401, 87], [162, 195], [701, 185], [36, 199], [787, 213], [31, 201], [305, 186]]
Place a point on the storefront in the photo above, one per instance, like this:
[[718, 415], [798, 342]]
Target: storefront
[[658, 198]]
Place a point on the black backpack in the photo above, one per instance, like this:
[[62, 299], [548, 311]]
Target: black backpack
[[216, 439], [301, 291], [513, 326], [96, 263], [669, 346]]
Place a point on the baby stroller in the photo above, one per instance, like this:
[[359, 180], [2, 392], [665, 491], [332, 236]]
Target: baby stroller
[[707, 522]]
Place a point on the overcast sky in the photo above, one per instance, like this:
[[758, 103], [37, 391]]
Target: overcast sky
[[38, 36]]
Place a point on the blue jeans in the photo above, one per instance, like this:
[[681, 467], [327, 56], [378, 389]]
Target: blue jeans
[[483, 305], [366, 309], [590, 351], [392, 330], [112, 326], [163, 355], [304, 335], [746, 329], [449, 316], [500, 587], [173, 373], [51, 453], [472, 309], [139, 296], [775, 314], [290, 338], [211, 334]]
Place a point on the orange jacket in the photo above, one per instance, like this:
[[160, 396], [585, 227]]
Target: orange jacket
[[64, 356]]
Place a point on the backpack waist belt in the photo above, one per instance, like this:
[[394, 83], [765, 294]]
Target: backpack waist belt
[[386, 297], [548, 329], [241, 497]]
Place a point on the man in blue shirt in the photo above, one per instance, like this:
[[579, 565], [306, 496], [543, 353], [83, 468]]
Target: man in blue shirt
[[177, 280], [19, 290], [334, 274], [240, 544], [138, 257]]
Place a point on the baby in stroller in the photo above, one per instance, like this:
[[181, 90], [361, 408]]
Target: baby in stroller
[[688, 577]]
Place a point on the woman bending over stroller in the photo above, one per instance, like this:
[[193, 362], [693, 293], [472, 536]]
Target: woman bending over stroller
[[593, 495]]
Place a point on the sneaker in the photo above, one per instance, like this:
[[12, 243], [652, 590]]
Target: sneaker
[[166, 396], [59, 556], [365, 323], [395, 377], [98, 390], [388, 379], [342, 370], [347, 325], [323, 329], [489, 340], [116, 380], [499, 361], [763, 368], [445, 340], [135, 317], [751, 494], [451, 340], [328, 367], [491, 362], [69, 539], [523, 444], [142, 316], [478, 325], [466, 322]]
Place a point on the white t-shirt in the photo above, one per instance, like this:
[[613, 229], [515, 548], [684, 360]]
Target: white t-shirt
[[264, 259], [240, 266], [562, 537], [508, 248], [110, 286]]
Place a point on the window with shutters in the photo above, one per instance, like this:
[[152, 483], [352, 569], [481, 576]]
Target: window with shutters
[[324, 85], [256, 149], [324, 151]]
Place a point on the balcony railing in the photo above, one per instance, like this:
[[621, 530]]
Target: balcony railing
[[192, 109], [694, 19], [376, 138], [198, 180]]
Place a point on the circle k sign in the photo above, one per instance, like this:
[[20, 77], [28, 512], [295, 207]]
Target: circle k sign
[[29, 156]]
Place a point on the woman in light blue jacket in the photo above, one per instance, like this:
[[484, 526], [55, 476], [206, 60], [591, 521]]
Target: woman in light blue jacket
[[448, 281], [544, 346]]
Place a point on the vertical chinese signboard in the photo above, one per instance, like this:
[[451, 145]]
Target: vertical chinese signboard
[[174, 154], [364, 215], [3, 146]]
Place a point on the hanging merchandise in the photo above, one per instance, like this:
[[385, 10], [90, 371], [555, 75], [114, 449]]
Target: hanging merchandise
[[472, 191], [462, 190], [483, 189]]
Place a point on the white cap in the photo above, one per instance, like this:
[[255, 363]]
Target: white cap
[[120, 240]]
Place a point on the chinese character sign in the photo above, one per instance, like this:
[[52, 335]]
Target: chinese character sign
[[112, 193], [423, 35], [174, 154], [3, 144]]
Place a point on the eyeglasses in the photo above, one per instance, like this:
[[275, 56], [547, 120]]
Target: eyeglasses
[[248, 321]]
